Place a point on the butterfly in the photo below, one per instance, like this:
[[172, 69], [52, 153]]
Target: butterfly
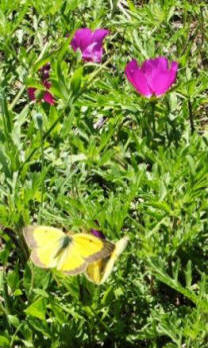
[[69, 253], [98, 271]]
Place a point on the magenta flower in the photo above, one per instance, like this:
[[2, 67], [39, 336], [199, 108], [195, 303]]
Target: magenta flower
[[48, 98], [97, 233], [154, 78], [44, 71], [90, 43], [31, 93], [46, 95]]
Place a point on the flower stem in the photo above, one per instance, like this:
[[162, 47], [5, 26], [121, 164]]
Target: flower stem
[[42, 169], [44, 136], [5, 113], [191, 119], [153, 104], [16, 99]]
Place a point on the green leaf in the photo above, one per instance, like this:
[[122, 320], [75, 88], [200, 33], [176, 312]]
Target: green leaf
[[76, 80], [4, 342], [13, 320], [37, 309], [188, 274], [108, 296], [17, 292]]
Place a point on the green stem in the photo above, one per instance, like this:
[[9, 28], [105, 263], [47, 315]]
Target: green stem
[[61, 116], [5, 113], [7, 307], [15, 335], [149, 128], [16, 99], [45, 135], [174, 284], [191, 119], [153, 104], [42, 169], [32, 280]]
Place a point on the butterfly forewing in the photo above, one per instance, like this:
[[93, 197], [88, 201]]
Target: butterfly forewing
[[45, 243], [40, 236], [92, 248]]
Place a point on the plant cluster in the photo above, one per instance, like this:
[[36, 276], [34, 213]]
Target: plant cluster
[[79, 144]]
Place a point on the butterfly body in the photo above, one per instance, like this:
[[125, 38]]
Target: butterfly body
[[69, 253]]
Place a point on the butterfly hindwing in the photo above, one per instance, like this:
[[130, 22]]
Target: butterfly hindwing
[[119, 248], [97, 272], [94, 270]]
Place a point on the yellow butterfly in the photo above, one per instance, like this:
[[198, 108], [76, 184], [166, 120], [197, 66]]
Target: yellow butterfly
[[98, 271], [69, 253]]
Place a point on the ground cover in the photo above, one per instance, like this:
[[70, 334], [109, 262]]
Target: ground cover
[[88, 147]]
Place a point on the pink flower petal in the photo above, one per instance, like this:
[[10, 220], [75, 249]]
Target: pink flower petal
[[46, 67], [93, 53], [31, 93], [161, 77], [46, 84], [137, 78], [160, 63], [90, 43], [157, 75], [160, 83], [97, 233], [44, 71], [99, 35], [81, 39], [48, 98], [43, 95]]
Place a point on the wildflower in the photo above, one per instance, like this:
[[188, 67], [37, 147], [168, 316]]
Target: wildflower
[[48, 98], [153, 78], [44, 72], [31, 93], [45, 95], [90, 43], [97, 233]]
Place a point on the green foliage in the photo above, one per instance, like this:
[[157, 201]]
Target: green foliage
[[104, 153]]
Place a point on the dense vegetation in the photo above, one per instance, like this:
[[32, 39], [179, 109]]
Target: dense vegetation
[[104, 153]]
